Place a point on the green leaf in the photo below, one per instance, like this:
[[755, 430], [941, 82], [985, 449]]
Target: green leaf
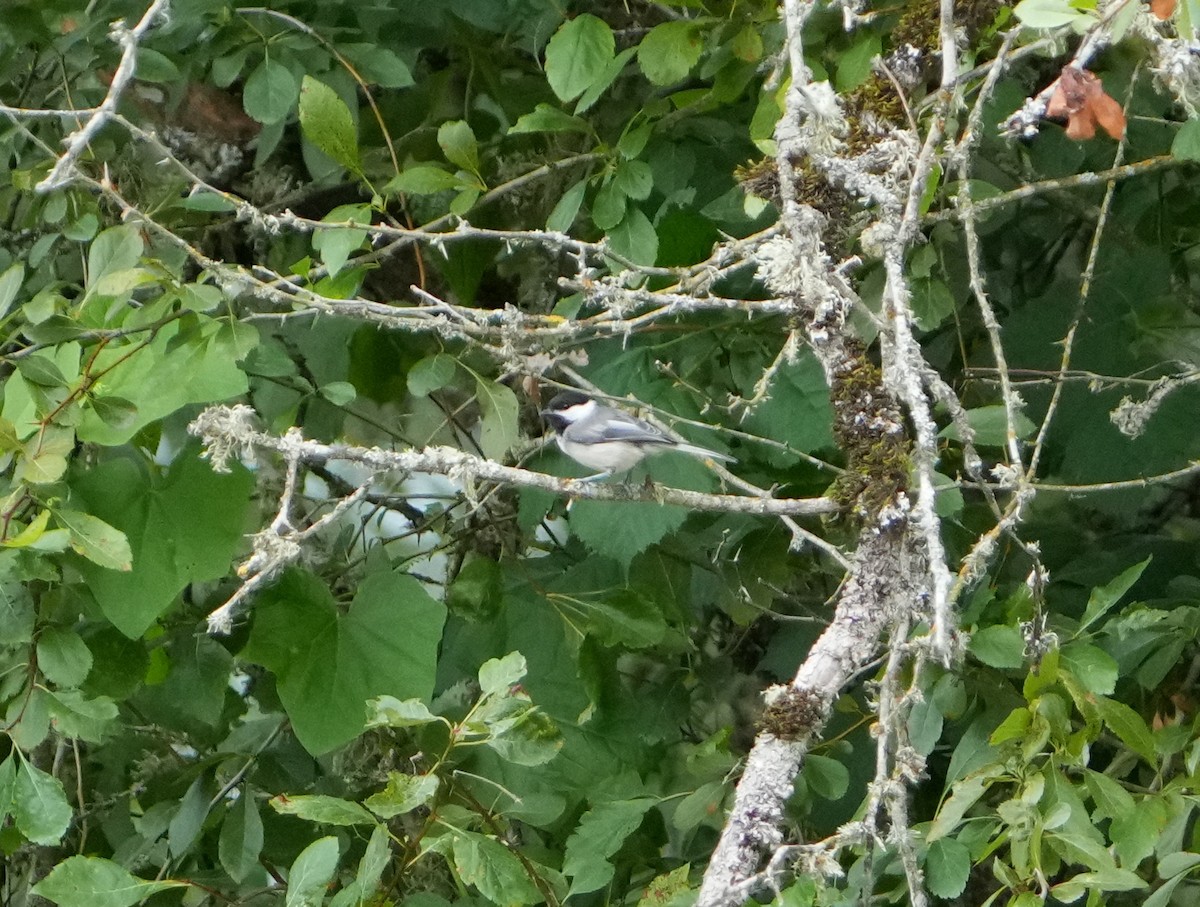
[[1014, 727], [924, 726], [8, 783], [464, 201], [388, 711], [567, 208], [16, 612], [498, 674], [370, 870], [854, 65], [1048, 14], [932, 302], [311, 873], [1104, 597], [424, 179], [634, 238], [700, 806], [457, 141], [546, 118], [403, 794], [10, 286], [114, 411], [619, 618], [63, 657], [99, 542], [116, 249], [93, 882], [1135, 833], [431, 374], [1108, 879], [670, 50], [379, 65], [241, 839], [492, 868], [947, 867], [327, 122], [634, 178], [1186, 145], [477, 592], [209, 202], [329, 663], [76, 716], [642, 524], [609, 206], [189, 817], [188, 361], [200, 297], [1111, 799], [998, 647], [1177, 863], [964, 795], [41, 370], [337, 244], [578, 55], [323, 809], [605, 78], [524, 735], [270, 92], [121, 283], [339, 393], [601, 832], [1128, 726], [181, 529], [153, 66], [498, 430], [827, 777], [39, 806], [990, 424], [45, 455], [1095, 668]]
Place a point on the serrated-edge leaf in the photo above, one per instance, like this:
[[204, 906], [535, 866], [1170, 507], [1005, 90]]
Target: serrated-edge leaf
[[39, 805], [669, 51], [578, 55], [328, 123], [1128, 726], [947, 867]]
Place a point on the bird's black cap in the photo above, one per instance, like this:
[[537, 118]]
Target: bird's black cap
[[565, 400]]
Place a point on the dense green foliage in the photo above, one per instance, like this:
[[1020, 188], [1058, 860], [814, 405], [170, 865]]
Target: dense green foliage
[[462, 690]]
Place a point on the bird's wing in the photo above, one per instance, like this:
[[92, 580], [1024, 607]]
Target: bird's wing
[[631, 431]]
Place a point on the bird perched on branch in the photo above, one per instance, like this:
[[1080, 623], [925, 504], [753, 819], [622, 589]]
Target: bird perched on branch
[[604, 438]]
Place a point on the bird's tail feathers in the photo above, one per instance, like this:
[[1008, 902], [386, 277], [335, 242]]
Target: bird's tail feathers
[[697, 451]]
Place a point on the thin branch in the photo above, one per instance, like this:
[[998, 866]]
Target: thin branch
[[62, 173]]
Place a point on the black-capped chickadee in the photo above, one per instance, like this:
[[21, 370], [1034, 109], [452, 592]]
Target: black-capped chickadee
[[608, 439]]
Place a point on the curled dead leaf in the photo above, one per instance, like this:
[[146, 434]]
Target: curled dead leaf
[[1080, 97], [1163, 9]]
